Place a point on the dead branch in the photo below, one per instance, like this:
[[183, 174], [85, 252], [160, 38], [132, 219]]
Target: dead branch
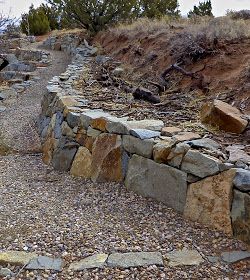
[[146, 95]]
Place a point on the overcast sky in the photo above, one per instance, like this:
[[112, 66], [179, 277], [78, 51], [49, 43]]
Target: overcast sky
[[17, 7]]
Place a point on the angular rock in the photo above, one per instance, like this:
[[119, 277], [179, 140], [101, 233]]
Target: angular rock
[[184, 257], [81, 166], [95, 261], [48, 149], [240, 215], [45, 263], [87, 117], [107, 158], [135, 259], [206, 143], [67, 130], [91, 132], [236, 153], [81, 136], [235, 256], [242, 180], [5, 272], [159, 181], [67, 101], [54, 128], [73, 119], [186, 136], [223, 116], [99, 124], [209, 201], [16, 257], [144, 133], [199, 164], [117, 127], [170, 130], [155, 125], [177, 154], [137, 146], [162, 150], [64, 154]]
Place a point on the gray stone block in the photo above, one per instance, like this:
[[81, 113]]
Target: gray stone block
[[135, 259], [45, 263], [144, 133], [242, 180], [159, 181], [199, 164], [137, 146]]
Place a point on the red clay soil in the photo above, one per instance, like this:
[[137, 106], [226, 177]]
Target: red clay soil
[[227, 71]]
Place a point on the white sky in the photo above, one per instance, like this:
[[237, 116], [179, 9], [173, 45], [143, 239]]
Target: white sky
[[18, 7]]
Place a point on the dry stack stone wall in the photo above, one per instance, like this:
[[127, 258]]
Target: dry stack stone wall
[[186, 172]]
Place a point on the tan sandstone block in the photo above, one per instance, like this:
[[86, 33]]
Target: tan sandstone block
[[224, 116], [81, 166], [209, 201]]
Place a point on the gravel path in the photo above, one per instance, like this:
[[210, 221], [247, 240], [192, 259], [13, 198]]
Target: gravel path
[[54, 214], [17, 124]]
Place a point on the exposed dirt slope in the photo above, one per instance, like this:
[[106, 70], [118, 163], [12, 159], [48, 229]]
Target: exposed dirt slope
[[226, 73]]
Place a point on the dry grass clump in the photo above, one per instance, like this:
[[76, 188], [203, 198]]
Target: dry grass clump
[[243, 14], [189, 39], [196, 41]]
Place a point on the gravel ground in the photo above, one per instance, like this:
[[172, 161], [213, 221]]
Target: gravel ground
[[54, 214], [17, 123]]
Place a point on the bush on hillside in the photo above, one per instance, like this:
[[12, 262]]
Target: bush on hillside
[[203, 9], [35, 22], [243, 14], [94, 15]]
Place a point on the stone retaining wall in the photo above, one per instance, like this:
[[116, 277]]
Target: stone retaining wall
[[190, 174]]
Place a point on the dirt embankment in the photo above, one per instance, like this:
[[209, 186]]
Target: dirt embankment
[[226, 67]]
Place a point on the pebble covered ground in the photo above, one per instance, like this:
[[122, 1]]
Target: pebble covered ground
[[54, 214]]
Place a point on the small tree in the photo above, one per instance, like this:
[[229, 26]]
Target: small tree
[[93, 14], [203, 9], [35, 22], [158, 8]]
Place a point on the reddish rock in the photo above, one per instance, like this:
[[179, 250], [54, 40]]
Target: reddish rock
[[186, 136], [170, 130], [107, 158], [89, 141], [81, 136], [99, 123], [48, 149], [223, 116]]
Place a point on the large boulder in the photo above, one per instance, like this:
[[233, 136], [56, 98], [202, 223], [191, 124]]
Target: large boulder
[[223, 116], [107, 160], [159, 181], [209, 201]]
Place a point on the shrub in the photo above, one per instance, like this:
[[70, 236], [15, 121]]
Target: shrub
[[35, 22], [203, 9], [94, 15], [243, 14]]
